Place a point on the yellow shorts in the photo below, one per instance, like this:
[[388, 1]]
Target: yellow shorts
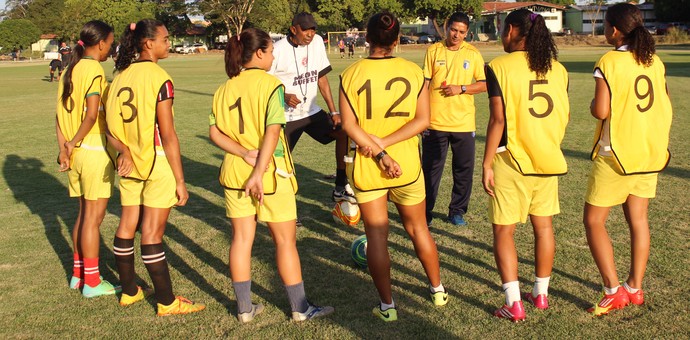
[[92, 172], [158, 191], [411, 194], [517, 196], [278, 207], [608, 186]]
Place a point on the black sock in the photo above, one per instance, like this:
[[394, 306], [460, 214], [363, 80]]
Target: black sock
[[124, 259], [297, 297], [340, 178], [243, 291], [154, 259]]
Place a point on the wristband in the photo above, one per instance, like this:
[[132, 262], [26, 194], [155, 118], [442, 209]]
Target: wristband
[[380, 155], [334, 113]]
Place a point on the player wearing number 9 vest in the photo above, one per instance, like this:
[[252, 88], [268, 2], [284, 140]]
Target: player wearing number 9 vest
[[639, 123], [536, 113]]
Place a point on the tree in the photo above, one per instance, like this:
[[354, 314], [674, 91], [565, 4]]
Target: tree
[[115, 13], [18, 34], [46, 14], [672, 10], [439, 10], [232, 13], [592, 12], [555, 2]]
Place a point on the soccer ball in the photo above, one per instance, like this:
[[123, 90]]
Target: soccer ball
[[346, 212], [359, 251]]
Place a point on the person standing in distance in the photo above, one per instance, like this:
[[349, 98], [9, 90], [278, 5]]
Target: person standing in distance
[[65, 55], [301, 64], [449, 68]]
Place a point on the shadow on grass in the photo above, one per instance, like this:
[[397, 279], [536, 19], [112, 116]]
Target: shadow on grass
[[48, 199]]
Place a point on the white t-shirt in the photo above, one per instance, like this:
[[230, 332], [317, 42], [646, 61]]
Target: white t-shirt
[[299, 68]]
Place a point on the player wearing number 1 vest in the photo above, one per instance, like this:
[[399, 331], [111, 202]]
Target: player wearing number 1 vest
[[528, 100]]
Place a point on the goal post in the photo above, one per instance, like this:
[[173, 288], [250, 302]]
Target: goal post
[[351, 35]]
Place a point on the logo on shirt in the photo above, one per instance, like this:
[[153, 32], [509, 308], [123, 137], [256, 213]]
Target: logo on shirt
[[440, 62], [466, 64], [305, 60], [306, 78]]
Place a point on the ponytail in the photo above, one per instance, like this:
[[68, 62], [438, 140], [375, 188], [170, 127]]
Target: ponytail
[[241, 48], [541, 49], [91, 34], [627, 19], [132, 39], [383, 30]]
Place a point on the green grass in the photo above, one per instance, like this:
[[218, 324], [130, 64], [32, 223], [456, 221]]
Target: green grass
[[37, 216]]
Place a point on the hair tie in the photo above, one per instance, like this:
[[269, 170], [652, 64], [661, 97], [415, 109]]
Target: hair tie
[[533, 16], [391, 25], [238, 37], [132, 26], [81, 43]]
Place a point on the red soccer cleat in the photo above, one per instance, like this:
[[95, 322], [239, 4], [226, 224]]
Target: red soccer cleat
[[541, 301], [515, 313], [617, 300], [636, 298]]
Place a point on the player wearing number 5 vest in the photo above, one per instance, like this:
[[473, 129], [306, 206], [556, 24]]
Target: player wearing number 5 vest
[[528, 100], [630, 148], [385, 105]]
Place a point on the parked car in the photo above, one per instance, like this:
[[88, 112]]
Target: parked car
[[195, 48], [651, 29], [404, 40], [427, 39], [178, 48]]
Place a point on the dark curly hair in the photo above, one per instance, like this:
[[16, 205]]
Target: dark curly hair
[[91, 34], [241, 48], [541, 49], [628, 20], [131, 41], [383, 30]]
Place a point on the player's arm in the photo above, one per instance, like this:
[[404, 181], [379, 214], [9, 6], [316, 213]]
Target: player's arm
[[125, 164], [92, 104], [63, 158], [601, 104], [171, 145], [325, 89], [231, 146], [494, 132], [254, 186]]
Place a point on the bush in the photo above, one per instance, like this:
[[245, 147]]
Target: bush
[[674, 35]]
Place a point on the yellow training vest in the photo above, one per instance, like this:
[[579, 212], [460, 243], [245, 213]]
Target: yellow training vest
[[536, 113], [240, 107], [641, 113], [383, 96], [131, 112]]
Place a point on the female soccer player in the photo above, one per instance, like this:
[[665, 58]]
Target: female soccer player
[[81, 138], [384, 108], [631, 146], [528, 100], [257, 172], [140, 118]]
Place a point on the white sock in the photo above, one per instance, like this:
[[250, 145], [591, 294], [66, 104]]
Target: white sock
[[611, 291], [630, 289], [385, 306], [437, 289], [512, 291], [541, 286]]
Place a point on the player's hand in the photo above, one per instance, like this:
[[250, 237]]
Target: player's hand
[[390, 167], [365, 151], [69, 148], [336, 120], [291, 100], [250, 157], [378, 141], [182, 194], [255, 187], [450, 90], [63, 161], [488, 181], [125, 164]]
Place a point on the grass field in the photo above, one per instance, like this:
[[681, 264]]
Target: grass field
[[37, 216]]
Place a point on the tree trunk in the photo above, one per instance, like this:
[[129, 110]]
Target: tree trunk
[[440, 31]]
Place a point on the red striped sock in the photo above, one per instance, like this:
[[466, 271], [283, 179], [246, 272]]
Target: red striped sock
[[77, 269], [92, 276]]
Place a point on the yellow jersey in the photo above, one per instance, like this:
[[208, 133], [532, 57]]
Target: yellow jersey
[[242, 109], [382, 93], [88, 79], [641, 113], [536, 112], [461, 67], [131, 112]]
